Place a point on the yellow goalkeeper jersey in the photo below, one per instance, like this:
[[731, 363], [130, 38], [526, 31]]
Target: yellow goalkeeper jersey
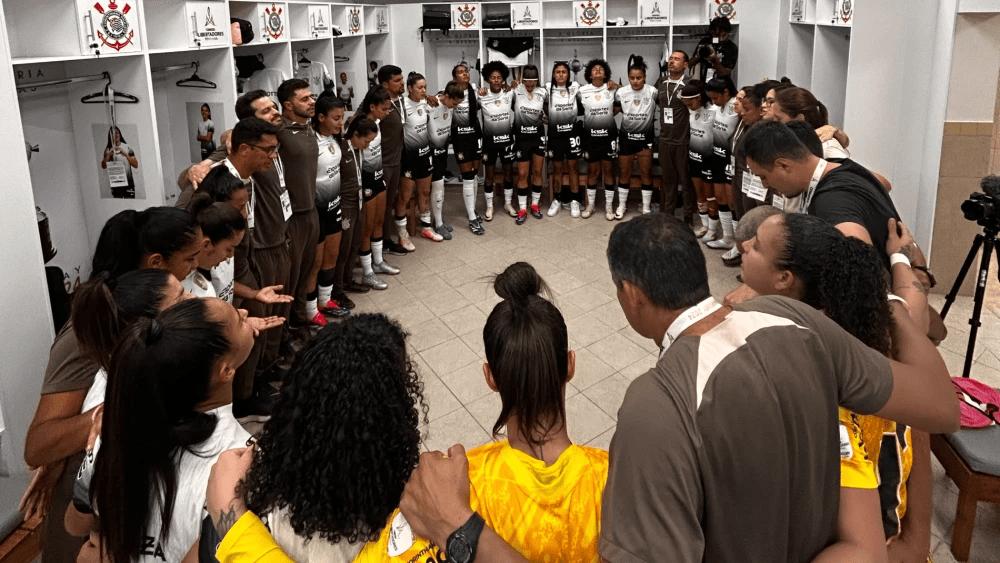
[[547, 513]]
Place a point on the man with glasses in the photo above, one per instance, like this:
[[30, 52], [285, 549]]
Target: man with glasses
[[300, 154]]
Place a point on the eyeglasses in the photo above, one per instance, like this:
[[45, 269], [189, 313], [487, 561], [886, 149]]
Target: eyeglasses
[[270, 151]]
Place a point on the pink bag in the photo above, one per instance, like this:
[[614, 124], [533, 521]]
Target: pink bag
[[978, 403]]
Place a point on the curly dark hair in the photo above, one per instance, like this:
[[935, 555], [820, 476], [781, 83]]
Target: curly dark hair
[[587, 70], [344, 436], [842, 276], [495, 66]]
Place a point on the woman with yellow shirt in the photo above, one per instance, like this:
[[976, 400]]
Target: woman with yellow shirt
[[537, 490], [885, 468]]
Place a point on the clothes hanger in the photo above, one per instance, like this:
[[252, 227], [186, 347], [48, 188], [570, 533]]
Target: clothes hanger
[[195, 81], [107, 95]]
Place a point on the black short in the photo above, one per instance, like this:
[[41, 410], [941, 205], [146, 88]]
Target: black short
[[628, 146], [596, 149], [503, 151], [468, 147], [529, 146], [372, 184], [564, 146], [417, 163], [330, 216], [439, 156], [698, 169], [722, 171]]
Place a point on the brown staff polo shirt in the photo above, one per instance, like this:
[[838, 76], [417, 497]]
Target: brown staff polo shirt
[[728, 449]]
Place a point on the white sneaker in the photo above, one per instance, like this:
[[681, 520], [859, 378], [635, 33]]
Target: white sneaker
[[588, 211], [489, 213], [510, 209], [429, 234], [574, 209], [721, 244], [406, 243], [646, 211], [708, 236], [699, 231], [383, 267], [554, 208], [731, 253], [373, 282], [609, 213], [620, 212]]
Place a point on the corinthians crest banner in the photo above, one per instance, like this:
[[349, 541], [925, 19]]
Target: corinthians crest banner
[[465, 15], [722, 8], [355, 21], [108, 26], [589, 13]]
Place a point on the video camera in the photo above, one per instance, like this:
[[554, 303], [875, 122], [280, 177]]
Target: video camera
[[982, 207]]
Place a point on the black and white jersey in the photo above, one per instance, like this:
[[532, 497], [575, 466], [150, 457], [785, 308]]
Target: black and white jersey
[[597, 104], [439, 130], [562, 108], [371, 157], [700, 147], [328, 173], [724, 126], [415, 134], [529, 110], [497, 111], [461, 121], [638, 111]]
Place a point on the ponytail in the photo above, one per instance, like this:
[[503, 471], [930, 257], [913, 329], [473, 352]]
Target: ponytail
[[159, 373], [104, 306], [526, 346]]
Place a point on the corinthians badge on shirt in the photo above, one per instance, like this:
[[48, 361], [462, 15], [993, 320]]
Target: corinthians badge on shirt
[[274, 24], [114, 29], [589, 13], [466, 16]]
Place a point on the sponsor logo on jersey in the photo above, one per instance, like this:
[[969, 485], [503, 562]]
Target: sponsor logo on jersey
[[115, 31]]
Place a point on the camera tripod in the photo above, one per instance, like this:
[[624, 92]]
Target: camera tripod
[[987, 240]]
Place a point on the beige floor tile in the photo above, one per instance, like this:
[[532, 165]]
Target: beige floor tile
[[474, 340], [467, 382], [445, 301], [588, 329], [587, 297], [457, 427], [464, 320], [428, 334], [645, 343], [589, 369], [448, 356], [585, 420], [638, 368], [440, 400], [617, 351], [428, 287], [604, 440], [563, 282], [412, 315], [609, 393], [485, 410]]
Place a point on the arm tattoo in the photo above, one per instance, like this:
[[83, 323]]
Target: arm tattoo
[[224, 521]]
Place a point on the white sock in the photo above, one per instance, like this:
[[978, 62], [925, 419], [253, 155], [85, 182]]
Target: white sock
[[325, 293], [401, 229], [377, 251], [488, 198], [469, 195], [508, 194], [713, 225], [622, 196], [536, 197], [437, 201], [726, 218], [425, 218], [311, 308], [366, 263], [591, 197], [522, 202], [647, 199], [704, 219]]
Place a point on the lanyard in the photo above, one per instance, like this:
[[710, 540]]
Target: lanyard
[[813, 183], [670, 95], [401, 109], [687, 318], [357, 160], [249, 183]]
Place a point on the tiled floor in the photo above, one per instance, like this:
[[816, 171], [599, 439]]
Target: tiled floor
[[443, 295]]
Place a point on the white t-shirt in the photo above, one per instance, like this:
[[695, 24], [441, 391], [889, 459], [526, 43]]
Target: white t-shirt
[[223, 277], [193, 468], [198, 285], [95, 395], [268, 80], [316, 74]]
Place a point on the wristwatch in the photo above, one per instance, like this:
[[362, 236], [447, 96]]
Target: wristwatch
[[461, 546]]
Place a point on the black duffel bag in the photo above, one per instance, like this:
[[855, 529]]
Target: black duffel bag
[[436, 17], [497, 21]]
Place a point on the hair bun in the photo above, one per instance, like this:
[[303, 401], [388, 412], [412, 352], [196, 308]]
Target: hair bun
[[519, 281]]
